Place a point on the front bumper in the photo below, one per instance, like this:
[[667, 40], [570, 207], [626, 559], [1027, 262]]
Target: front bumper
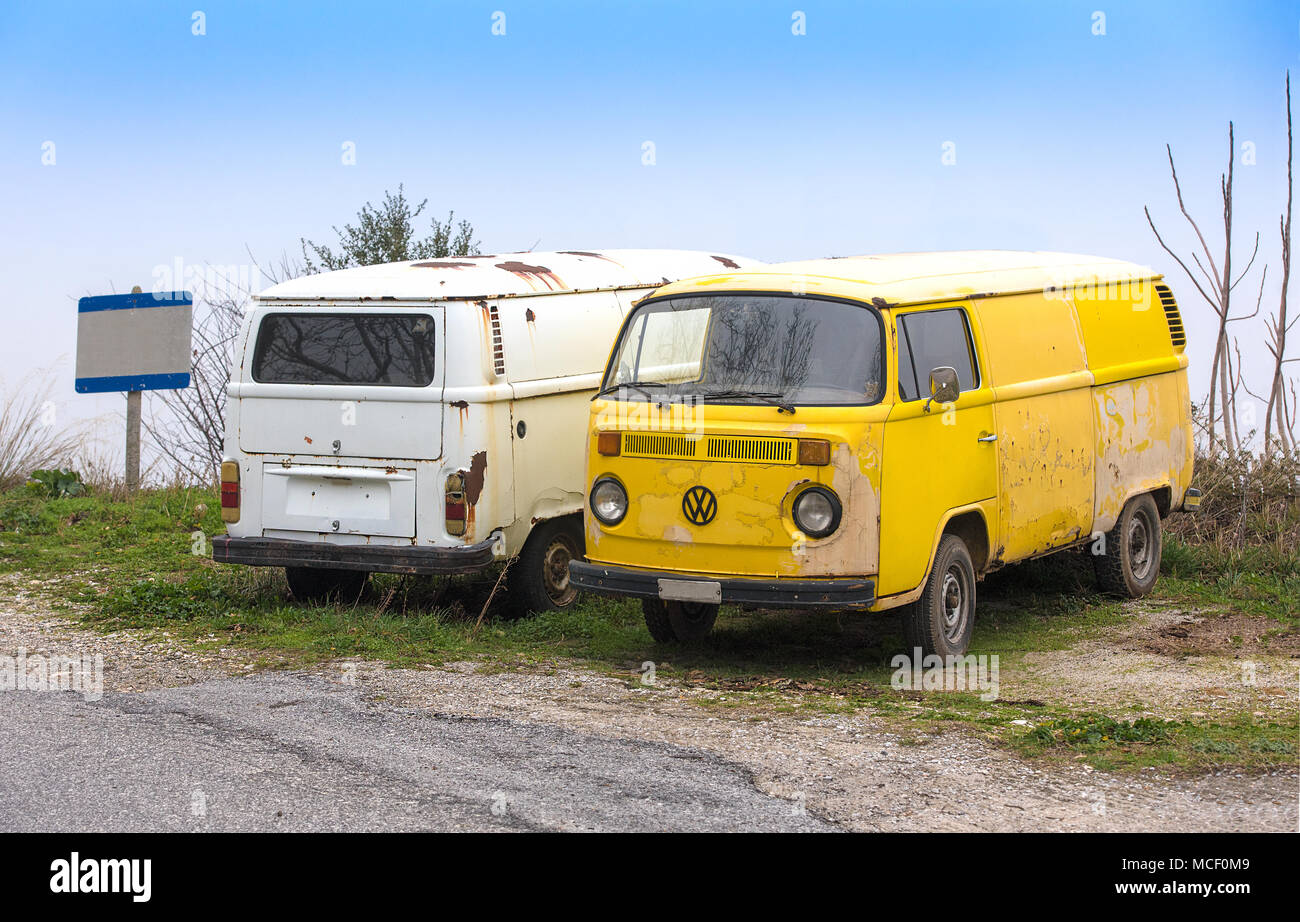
[[779, 592], [373, 558]]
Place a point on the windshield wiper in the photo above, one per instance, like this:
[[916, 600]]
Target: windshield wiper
[[766, 396], [635, 385]]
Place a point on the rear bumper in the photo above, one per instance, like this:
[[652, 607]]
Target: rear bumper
[[374, 558], [844, 593]]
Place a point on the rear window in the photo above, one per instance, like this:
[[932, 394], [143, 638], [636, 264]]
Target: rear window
[[301, 348]]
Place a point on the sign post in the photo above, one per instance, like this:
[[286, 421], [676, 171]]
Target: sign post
[[134, 343]]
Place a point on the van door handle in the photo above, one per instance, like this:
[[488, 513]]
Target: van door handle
[[987, 438]]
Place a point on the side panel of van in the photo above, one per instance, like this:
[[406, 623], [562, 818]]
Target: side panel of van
[[553, 372], [1142, 442], [476, 428], [1140, 402], [1046, 448]]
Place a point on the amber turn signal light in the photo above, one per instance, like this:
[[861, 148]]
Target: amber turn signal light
[[609, 443], [814, 451]]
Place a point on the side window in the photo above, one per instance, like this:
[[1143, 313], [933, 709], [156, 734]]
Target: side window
[[928, 339]]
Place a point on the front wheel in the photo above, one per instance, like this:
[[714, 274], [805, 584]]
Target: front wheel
[[942, 620], [320, 584], [678, 622], [1129, 558], [539, 579]]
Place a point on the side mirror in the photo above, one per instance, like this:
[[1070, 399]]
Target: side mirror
[[944, 386]]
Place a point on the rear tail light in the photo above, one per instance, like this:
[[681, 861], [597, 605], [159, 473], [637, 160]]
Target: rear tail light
[[456, 507], [230, 491]]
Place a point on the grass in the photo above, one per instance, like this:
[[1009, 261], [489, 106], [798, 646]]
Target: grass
[[1109, 744], [133, 565], [1259, 580]]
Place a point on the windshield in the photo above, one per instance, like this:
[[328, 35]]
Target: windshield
[[738, 347]]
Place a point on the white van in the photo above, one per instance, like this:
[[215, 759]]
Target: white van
[[426, 417]]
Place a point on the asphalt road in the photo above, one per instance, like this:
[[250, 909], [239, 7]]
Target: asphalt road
[[296, 752]]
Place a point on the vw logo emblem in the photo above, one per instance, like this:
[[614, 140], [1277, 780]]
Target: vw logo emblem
[[700, 505]]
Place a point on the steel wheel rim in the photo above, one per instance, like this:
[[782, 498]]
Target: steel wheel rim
[[1140, 546], [953, 597], [555, 572]]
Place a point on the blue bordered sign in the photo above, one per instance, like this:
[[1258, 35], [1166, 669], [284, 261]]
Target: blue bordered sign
[[134, 342]]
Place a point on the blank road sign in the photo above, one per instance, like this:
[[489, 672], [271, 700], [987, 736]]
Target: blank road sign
[[135, 342]]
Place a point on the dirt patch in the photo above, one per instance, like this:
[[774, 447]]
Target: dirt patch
[[1218, 634]]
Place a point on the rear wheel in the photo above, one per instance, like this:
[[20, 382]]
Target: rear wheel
[[539, 579], [678, 622], [1130, 558], [317, 584], [942, 620]]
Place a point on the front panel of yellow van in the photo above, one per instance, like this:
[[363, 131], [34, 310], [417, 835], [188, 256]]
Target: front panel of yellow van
[[753, 533]]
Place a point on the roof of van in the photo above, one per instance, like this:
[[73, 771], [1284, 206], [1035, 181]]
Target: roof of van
[[459, 277], [912, 278]]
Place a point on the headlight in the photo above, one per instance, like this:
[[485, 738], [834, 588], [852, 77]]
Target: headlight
[[608, 500], [817, 512]]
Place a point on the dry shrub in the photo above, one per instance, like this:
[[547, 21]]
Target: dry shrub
[[1251, 500], [32, 436]]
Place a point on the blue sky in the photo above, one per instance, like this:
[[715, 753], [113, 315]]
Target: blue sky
[[773, 145]]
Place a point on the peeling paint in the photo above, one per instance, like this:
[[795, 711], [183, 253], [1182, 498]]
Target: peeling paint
[[1141, 443]]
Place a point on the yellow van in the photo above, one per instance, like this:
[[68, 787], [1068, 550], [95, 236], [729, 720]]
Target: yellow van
[[881, 431]]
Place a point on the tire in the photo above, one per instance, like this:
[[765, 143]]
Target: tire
[[1131, 562], [539, 579], [942, 620], [678, 622], [315, 584]]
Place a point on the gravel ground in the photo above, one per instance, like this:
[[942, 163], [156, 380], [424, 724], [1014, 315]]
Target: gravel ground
[[361, 746]]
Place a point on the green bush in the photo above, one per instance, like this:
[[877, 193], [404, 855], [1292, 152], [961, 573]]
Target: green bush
[[198, 596], [1092, 729], [55, 483]]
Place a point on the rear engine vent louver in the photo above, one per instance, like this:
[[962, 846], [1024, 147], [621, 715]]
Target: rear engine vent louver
[[1174, 319], [498, 349]]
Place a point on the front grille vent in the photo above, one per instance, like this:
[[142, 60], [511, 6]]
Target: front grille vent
[[735, 448], [659, 446]]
